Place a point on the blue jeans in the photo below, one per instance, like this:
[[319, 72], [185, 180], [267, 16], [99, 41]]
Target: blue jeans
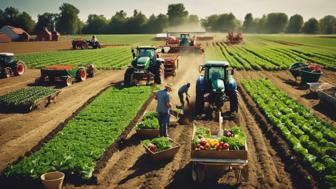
[[163, 119]]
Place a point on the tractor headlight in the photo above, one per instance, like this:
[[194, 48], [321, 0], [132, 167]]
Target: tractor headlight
[[214, 90], [222, 90]]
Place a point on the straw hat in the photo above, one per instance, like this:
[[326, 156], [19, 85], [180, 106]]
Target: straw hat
[[169, 86]]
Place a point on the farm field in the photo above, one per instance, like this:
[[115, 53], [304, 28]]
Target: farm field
[[289, 133]]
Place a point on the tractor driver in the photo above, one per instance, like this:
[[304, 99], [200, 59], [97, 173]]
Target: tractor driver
[[94, 39]]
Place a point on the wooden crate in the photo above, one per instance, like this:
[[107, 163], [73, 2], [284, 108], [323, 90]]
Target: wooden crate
[[165, 154], [148, 133]]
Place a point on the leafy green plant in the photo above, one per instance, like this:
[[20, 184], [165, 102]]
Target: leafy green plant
[[149, 121], [161, 143], [75, 149], [313, 139]]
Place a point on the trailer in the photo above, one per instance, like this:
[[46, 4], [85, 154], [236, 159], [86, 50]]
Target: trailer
[[65, 74], [222, 160], [328, 96], [171, 63]]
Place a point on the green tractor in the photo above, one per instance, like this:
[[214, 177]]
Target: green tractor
[[10, 66], [215, 87], [146, 65]]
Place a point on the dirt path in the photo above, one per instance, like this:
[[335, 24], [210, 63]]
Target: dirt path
[[131, 168], [14, 83], [20, 132], [300, 93]]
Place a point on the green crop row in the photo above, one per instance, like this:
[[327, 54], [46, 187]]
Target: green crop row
[[309, 136], [25, 96], [269, 55], [106, 58], [76, 148]]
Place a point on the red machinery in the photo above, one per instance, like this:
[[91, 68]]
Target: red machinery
[[234, 38]]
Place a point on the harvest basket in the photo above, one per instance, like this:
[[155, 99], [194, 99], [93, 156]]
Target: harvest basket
[[165, 154], [52, 180], [148, 133]]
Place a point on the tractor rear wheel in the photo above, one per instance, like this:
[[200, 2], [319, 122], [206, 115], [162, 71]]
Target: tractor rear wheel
[[129, 77], [199, 102], [81, 74], [20, 69]]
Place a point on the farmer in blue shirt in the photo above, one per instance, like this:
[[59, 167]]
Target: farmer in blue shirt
[[183, 89], [162, 108]]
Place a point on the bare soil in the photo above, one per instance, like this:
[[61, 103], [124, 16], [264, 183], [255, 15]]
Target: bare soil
[[35, 46], [19, 133]]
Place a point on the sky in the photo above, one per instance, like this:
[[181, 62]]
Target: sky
[[203, 8]]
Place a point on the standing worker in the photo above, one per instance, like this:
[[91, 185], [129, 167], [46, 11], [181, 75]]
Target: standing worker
[[183, 89], [163, 106]]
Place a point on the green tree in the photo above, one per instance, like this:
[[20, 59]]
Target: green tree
[[311, 26], [248, 23], [45, 20], [328, 24], [118, 22], [10, 14], [177, 14], [156, 24], [136, 23], [95, 24], [295, 24], [68, 21], [221, 23], [276, 22], [2, 18], [25, 21]]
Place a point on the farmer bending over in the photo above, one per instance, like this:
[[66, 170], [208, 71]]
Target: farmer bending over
[[183, 89], [162, 108]]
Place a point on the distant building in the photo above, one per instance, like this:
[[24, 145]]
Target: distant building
[[15, 34], [46, 35], [4, 38]]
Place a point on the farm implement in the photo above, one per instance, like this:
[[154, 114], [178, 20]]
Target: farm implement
[[148, 64], [65, 74], [308, 73], [10, 66], [234, 38], [183, 44], [85, 44]]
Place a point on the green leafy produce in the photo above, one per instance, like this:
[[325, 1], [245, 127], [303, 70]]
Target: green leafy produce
[[149, 121], [25, 96], [158, 144], [235, 137], [313, 139], [76, 148]]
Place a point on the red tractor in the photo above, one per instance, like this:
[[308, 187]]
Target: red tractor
[[234, 38], [184, 43], [85, 44]]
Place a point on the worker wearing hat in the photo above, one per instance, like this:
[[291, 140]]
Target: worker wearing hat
[[163, 106]]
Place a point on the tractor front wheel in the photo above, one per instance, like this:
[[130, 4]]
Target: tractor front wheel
[[129, 77]]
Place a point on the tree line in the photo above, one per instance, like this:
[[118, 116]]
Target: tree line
[[68, 22]]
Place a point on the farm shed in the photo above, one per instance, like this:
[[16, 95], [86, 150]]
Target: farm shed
[[4, 38], [15, 34]]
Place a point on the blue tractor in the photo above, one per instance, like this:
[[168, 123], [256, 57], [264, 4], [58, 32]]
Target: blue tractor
[[215, 87]]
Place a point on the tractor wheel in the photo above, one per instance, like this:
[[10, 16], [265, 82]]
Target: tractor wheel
[[129, 77], [7, 72], [158, 75], [199, 102], [20, 69], [81, 74]]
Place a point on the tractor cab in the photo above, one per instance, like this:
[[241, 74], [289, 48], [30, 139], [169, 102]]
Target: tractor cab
[[185, 39], [144, 57], [215, 84], [7, 58]]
